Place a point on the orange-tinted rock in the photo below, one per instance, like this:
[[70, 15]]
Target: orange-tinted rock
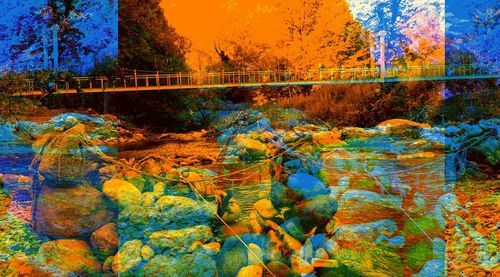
[[300, 266], [105, 239], [328, 138], [122, 193], [394, 123], [68, 255], [278, 268], [250, 271], [70, 212]]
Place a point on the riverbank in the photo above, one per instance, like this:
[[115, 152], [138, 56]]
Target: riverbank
[[375, 197]]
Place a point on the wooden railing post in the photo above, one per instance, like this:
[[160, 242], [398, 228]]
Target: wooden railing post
[[135, 78], [157, 79]]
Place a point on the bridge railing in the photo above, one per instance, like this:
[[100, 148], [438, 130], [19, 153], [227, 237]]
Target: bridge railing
[[248, 77]]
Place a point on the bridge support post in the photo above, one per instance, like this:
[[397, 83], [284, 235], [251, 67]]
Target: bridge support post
[[135, 78], [382, 54]]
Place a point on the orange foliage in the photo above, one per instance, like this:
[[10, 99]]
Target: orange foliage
[[274, 34]]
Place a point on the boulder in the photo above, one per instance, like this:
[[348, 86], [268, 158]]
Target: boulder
[[255, 255], [180, 238], [195, 264], [379, 261], [127, 257], [147, 252], [427, 225], [395, 242], [254, 149], [65, 159], [300, 266], [152, 164], [486, 154], [328, 138], [318, 210], [105, 239], [353, 233], [417, 254], [281, 196], [306, 186], [132, 222], [250, 271], [361, 206], [7, 132], [278, 268], [265, 208], [122, 193], [449, 202], [70, 212], [233, 255], [174, 212], [317, 262], [31, 129], [60, 119], [402, 127], [69, 255], [433, 268]]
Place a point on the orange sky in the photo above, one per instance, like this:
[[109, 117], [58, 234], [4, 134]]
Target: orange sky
[[203, 21]]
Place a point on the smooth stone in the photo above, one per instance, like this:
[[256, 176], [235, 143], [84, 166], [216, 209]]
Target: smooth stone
[[265, 208], [362, 206], [365, 232], [255, 254], [122, 193], [439, 249], [105, 239], [128, 256], [321, 254], [300, 266], [147, 252], [433, 268], [278, 268], [195, 264], [317, 262], [306, 186], [250, 271], [69, 255], [180, 238], [70, 212], [449, 202]]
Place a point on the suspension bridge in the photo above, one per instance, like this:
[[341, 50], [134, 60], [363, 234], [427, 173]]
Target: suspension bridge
[[137, 81]]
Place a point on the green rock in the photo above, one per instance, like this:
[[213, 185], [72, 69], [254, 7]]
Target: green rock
[[17, 236], [418, 254], [127, 257], [379, 261], [175, 212], [364, 184], [427, 223], [195, 264], [181, 238]]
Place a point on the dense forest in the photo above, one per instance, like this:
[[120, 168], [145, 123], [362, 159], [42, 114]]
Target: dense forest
[[146, 40]]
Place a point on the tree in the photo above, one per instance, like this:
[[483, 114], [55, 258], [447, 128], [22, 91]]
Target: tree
[[414, 29], [308, 34], [77, 32], [146, 39], [473, 37]]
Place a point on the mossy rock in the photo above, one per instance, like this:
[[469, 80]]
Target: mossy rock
[[379, 261], [364, 184], [17, 236], [427, 223], [418, 254]]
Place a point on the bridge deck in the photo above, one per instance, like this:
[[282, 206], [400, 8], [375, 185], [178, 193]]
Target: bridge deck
[[254, 79]]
